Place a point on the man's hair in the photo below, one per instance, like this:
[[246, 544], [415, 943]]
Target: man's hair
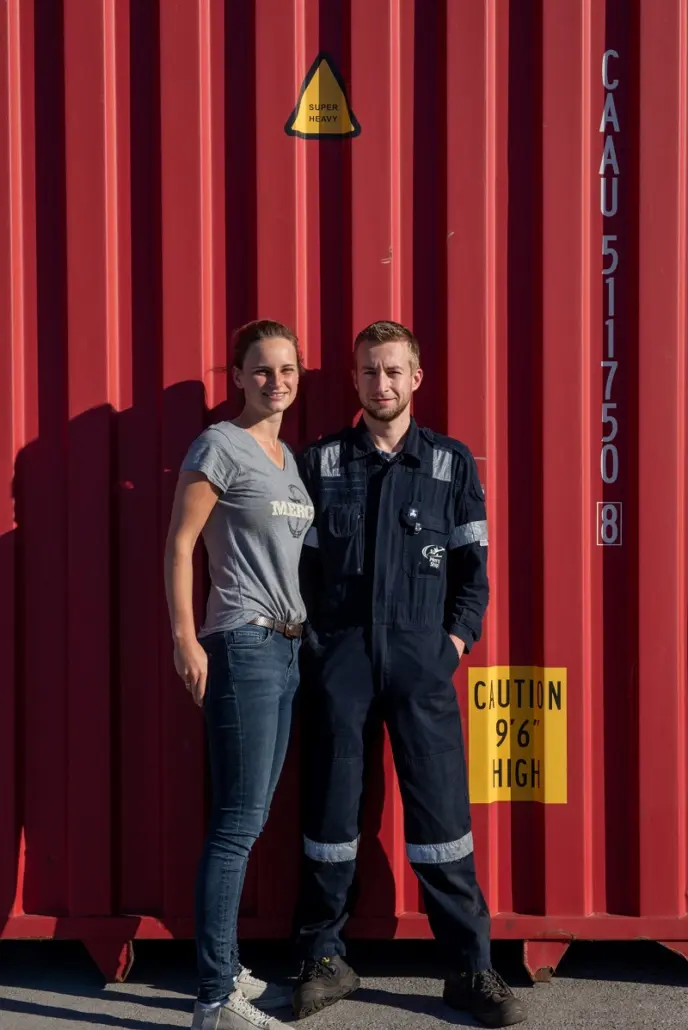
[[383, 332]]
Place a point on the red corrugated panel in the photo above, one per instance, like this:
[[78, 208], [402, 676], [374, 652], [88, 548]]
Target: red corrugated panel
[[518, 194]]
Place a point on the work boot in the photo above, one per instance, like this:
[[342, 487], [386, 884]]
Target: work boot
[[322, 982], [486, 996], [263, 995], [236, 1014]]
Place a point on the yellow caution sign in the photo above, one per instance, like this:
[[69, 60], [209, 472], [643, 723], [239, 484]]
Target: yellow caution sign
[[322, 110], [517, 734]]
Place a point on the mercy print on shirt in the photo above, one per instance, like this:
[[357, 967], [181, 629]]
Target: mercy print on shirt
[[298, 511]]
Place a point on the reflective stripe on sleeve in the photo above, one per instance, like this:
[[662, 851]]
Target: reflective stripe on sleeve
[[469, 533]]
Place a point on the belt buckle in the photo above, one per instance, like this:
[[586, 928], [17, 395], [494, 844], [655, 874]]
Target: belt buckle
[[291, 630]]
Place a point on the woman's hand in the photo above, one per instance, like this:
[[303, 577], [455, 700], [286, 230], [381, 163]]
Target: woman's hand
[[191, 663]]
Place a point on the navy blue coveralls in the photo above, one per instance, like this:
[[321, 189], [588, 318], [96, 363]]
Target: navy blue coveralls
[[394, 562]]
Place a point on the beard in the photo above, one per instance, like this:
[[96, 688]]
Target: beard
[[387, 413]]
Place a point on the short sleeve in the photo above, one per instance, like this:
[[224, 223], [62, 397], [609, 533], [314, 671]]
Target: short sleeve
[[211, 454]]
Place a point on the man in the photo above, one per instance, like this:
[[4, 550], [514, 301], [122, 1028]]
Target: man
[[395, 584]]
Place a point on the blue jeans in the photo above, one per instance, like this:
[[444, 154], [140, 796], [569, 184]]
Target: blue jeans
[[253, 674]]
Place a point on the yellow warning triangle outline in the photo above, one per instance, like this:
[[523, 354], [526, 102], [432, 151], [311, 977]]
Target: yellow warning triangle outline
[[290, 127]]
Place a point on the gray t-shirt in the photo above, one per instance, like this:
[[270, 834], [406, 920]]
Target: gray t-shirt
[[255, 531]]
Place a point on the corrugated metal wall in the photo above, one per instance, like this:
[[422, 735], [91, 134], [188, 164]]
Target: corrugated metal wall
[[151, 199]]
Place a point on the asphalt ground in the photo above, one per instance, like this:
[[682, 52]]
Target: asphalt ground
[[53, 985]]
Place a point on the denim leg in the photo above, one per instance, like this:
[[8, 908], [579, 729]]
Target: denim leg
[[246, 696], [284, 722], [284, 718]]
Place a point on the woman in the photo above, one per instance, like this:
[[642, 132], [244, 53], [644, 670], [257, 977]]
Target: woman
[[239, 487]]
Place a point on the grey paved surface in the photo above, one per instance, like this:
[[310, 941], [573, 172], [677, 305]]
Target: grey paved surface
[[53, 986]]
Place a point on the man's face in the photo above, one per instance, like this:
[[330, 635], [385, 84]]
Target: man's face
[[385, 378]]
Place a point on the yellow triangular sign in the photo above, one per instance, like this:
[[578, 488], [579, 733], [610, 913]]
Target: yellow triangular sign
[[322, 109]]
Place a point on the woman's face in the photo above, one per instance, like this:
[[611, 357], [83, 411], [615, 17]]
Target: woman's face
[[269, 377]]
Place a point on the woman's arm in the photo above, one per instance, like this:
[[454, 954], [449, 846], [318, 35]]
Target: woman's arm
[[194, 499]]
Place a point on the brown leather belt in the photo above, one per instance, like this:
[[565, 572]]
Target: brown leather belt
[[288, 629]]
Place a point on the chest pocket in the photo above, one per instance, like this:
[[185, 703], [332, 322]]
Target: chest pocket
[[425, 551], [343, 530]]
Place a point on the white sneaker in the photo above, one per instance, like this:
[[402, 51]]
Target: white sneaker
[[265, 995], [236, 1014]]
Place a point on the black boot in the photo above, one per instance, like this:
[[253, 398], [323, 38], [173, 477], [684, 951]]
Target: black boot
[[322, 982], [486, 996]]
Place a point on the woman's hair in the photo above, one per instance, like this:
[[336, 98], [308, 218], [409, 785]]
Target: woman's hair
[[262, 329]]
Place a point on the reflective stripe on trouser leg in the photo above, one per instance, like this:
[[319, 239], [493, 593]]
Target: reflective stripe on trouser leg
[[330, 864], [436, 854], [335, 711], [457, 912], [321, 852], [447, 875], [425, 731], [322, 910]]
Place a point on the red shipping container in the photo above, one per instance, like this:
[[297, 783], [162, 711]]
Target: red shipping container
[[511, 180]]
